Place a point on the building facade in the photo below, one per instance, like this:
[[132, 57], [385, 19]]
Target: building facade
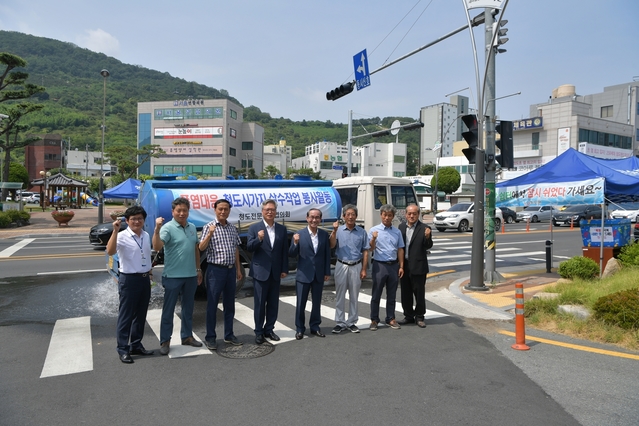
[[201, 137], [375, 159], [87, 164], [441, 126], [279, 156], [602, 125]]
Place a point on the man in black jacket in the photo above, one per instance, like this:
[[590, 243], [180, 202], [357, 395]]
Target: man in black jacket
[[417, 239]]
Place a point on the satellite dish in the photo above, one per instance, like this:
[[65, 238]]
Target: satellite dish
[[395, 127]]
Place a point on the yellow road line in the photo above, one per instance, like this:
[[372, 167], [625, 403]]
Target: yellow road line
[[576, 347], [434, 274]]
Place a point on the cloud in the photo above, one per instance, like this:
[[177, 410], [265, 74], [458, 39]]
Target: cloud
[[100, 41]]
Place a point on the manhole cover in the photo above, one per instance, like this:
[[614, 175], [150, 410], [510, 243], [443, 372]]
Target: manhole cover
[[247, 350]]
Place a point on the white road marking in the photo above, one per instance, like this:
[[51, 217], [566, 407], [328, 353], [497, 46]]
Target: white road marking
[[70, 349], [154, 316], [14, 248]]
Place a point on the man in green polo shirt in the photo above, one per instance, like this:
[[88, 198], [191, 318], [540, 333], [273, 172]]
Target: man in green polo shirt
[[182, 273]]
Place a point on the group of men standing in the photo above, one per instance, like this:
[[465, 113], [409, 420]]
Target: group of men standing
[[398, 254]]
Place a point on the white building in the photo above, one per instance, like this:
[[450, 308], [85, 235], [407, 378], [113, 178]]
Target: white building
[[87, 164], [279, 156], [375, 159], [442, 126]]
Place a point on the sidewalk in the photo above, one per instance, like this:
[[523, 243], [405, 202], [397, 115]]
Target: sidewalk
[[42, 223]]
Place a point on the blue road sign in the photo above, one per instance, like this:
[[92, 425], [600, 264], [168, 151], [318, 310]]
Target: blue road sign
[[337, 167], [362, 75]]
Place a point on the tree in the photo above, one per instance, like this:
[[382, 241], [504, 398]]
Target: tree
[[13, 87], [427, 169], [17, 173], [448, 180], [269, 172], [126, 158]]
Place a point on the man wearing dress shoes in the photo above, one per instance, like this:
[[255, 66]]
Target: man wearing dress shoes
[[312, 248], [141, 351], [318, 333], [126, 358], [259, 339], [417, 239], [299, 336], [272, 336]]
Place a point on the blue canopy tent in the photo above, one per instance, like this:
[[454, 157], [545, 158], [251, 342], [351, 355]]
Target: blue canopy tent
[[130, 189], [573, 178]]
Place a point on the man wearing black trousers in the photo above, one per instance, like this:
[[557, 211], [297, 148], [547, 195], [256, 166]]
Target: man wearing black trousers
[[133, 246], [417, 239]]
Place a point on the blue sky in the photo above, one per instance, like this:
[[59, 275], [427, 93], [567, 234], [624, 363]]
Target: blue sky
[[283, 56]]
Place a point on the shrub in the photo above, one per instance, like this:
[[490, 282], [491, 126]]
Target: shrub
[[620, 309], [62, 213], [629, 255], [579, 267], [5, 220]]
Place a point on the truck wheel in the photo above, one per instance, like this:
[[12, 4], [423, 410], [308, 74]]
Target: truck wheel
[[441, 229], [463, 226]]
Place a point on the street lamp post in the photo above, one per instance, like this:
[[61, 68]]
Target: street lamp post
[[43, 199], [104, 74]]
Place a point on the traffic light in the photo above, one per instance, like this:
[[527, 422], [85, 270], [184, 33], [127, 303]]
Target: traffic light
[[340, 91], [344, 171], [500, 32], [471, 136], [505, 144]]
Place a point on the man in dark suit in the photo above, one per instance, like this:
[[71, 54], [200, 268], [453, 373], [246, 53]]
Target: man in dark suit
[[417, 239], [312, 247], [268, 242]]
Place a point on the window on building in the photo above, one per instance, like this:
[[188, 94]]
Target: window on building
[[250, 164], [399, 159], [606, 111], [535, 140], [326, 165], [637, 137], [232, 133], [399, 174], [247, 146], [231, 170], [232, 151], [233, 115]]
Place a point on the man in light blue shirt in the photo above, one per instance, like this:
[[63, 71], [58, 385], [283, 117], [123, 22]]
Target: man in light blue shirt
[[351, 248], [182, 273], [387, 246]]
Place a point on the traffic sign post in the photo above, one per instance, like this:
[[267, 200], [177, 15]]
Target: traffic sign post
[[362, 73]]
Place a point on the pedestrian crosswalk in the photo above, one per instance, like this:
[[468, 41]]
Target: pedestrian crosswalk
[[70, 348], [449, 252]]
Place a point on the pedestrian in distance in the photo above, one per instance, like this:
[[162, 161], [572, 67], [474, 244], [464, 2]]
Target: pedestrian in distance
[[417, 240], [221, 242], [312, 248], [351, 248], [387, 247], [268, 241], [133, 246], [182, 273]]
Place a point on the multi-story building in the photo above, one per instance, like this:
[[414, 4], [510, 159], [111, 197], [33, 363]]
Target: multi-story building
[[279, 156], [202, 137], [43, 155], [603, 125], [87, 164], [374, 159], [441, 126]]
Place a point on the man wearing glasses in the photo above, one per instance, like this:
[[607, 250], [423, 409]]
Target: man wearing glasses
[[268, 242]]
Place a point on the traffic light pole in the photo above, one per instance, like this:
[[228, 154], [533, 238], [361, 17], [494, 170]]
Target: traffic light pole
[[490, 273], [477, 265]]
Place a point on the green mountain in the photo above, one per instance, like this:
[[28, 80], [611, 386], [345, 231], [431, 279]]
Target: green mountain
[[73, 100]]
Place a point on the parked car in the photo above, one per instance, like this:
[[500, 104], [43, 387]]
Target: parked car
[[535, 214], [460, 217], [510, 216], [576, 213], [33, 199], [99, 235], [625, 211]]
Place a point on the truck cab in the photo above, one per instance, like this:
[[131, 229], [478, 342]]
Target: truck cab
[[369, 193]]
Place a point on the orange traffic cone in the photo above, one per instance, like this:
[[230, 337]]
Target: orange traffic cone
[[520, 328]]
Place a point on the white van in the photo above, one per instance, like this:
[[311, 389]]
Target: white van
[[369, 193]]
